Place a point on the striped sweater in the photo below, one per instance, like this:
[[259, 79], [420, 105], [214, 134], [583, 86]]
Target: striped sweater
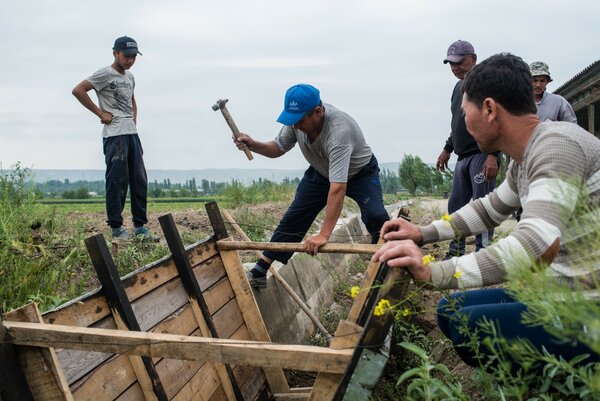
[[558, 186]]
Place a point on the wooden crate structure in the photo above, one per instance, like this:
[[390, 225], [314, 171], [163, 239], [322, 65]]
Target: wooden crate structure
[[199, 292]]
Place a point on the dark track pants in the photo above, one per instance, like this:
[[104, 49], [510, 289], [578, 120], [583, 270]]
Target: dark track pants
[[470, 308], [125, 168], [468, 184], [311, 198]]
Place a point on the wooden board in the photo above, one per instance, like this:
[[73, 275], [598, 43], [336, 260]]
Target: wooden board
[[346, 336], [150, 309], [92, 307], [297, 357]]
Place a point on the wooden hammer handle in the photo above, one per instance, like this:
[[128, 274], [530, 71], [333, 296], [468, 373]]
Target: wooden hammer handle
[[234, 130]]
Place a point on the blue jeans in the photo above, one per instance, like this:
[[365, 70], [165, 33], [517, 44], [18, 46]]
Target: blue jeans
[[125, 168], [311, 198], [470, 308], [468, 184]]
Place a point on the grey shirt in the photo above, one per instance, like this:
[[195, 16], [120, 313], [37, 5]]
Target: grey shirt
[[555, 108], [115, 95], [339, 152]]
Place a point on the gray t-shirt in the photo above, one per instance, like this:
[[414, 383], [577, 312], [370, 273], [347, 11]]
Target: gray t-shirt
[[115, 95], [555, 108], [340, 150]]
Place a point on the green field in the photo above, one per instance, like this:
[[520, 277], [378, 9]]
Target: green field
[[154, 204]]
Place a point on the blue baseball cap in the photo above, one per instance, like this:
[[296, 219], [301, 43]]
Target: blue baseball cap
[[128, 46], [299, 100]]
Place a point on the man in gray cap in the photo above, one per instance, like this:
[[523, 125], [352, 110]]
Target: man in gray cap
[[549, 106], [117, 110], [475, 172]]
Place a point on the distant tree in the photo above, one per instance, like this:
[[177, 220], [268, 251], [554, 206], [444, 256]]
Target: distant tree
[[389, 181], [205, 186], [82, 193], [414, 174]]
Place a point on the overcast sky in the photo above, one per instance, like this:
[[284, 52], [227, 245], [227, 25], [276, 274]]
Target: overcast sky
[[378, 60]]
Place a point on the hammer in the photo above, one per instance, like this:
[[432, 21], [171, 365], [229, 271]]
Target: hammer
[[220, 105]]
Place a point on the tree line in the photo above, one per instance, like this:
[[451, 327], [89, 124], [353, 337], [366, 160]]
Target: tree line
[[413, 177]]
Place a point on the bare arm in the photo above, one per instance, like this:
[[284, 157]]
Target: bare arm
[[134, 107], [335, 203], [81, 93], [268, 149]]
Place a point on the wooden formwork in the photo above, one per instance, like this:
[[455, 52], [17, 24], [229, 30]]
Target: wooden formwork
[[186, 327]]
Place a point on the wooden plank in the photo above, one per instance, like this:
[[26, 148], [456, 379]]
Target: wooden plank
[[13, 383], [346, 336], [297, 357], [133, 393], [216, 220], [197, 301], [245, 297], [40, 365], [280, 279], [365, 288], [92, 307], [368, 290], [351, 387], [228, 319], [291, 397], [107, 381], [175, 373], [77, 364], [201, 386], [123, 313], [251, 313], [116, 375], [228, 245], [219, 395]]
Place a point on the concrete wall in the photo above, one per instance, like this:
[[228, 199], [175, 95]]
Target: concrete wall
[[312, 279]]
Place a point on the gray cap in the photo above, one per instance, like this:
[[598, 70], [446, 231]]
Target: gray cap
[[458, 50], [538, 68]]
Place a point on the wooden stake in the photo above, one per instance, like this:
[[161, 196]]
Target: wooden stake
[[281, 280], [245, 297], [123, 314], [199, 307]]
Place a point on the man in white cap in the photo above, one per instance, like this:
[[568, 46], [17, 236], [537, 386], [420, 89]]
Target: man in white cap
[[549, 106]]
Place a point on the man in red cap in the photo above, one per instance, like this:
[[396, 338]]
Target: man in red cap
[[341, 163]]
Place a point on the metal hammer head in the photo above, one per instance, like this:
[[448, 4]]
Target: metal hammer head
[[220, 104]]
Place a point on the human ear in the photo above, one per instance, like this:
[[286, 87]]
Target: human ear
[[490, 108]]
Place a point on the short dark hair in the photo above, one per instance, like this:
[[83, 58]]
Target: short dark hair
[[505, 78]]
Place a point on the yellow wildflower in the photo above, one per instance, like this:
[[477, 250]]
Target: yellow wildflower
[[447, 217], [405, 312], [457, 274], [381, 307], [354, 291], [427, 259]]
